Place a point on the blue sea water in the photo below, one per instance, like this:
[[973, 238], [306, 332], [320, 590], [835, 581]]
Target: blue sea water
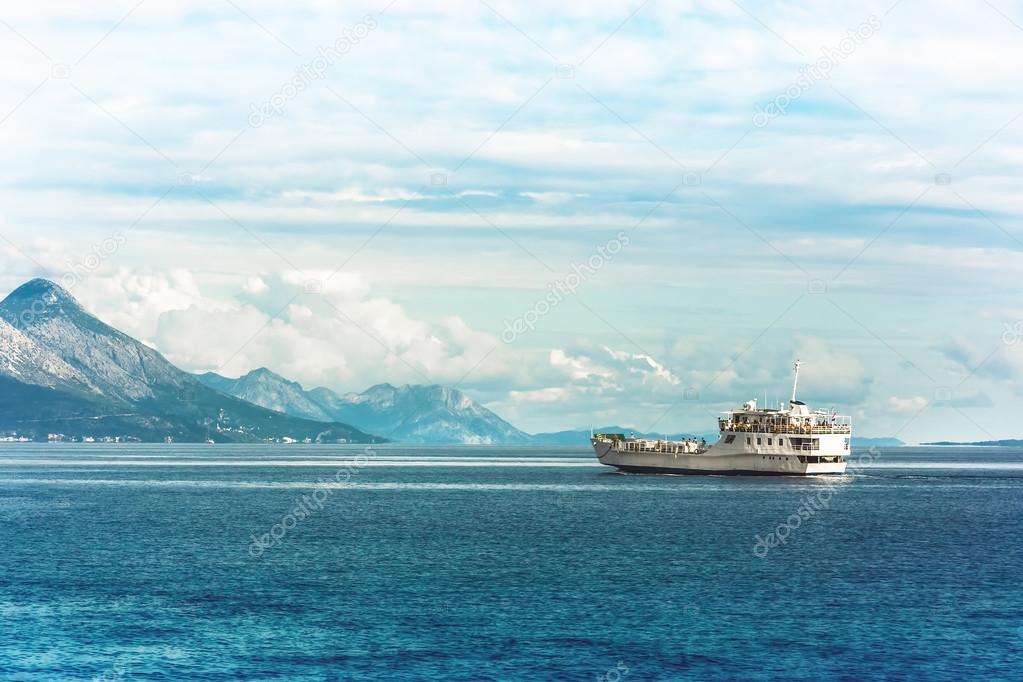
[[205, 563]]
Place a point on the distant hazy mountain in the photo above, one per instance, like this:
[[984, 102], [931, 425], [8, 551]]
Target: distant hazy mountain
[[64, 371], [426, 414], [410, 414], [272, 391], [877, 442]]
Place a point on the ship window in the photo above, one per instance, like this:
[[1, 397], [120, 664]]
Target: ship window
[[768, 441], [747, 440], [781, 441], [758, 441], [730, 438]]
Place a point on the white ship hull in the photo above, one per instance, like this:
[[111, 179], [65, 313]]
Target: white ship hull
[[709, 462]]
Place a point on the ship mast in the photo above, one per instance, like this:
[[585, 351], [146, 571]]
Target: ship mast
[[795, 379]]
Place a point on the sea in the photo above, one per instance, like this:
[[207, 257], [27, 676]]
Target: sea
[[301, 562]]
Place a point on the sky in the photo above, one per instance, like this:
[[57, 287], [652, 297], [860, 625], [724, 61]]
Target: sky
[[580, 213]]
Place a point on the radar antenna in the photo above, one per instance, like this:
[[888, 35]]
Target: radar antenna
[[795, 378]]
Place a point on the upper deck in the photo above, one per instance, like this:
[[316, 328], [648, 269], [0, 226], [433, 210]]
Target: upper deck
[[780, 423], [796, 419]]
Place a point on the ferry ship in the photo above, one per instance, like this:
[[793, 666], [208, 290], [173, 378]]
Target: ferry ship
[[753, 440]]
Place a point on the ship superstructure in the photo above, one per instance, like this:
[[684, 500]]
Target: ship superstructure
[[790, 440]]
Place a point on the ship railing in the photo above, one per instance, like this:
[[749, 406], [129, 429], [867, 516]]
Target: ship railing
[[787, 428], [664, 447]]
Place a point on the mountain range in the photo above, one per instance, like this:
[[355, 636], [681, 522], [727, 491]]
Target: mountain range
[[410, 414], [65, 372]]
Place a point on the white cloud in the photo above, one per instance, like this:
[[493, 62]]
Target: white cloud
[[906, 405], [135, 300], [552, 197], [358, 195], [645, 366], [476, 193], [551, 394], [254, 285], [581, 367], [344, 335]]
